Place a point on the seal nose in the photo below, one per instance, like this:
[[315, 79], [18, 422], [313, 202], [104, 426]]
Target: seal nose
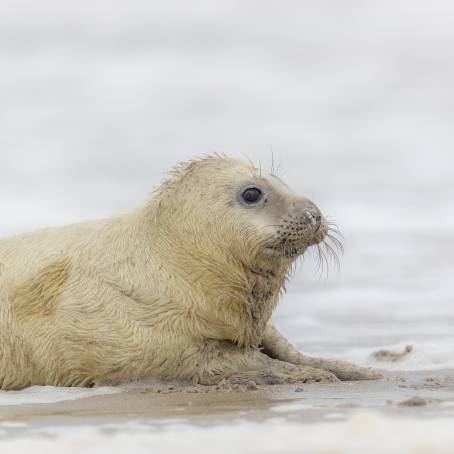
[[315, 218]]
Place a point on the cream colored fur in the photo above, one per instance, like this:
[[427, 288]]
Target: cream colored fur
[[178, 289]]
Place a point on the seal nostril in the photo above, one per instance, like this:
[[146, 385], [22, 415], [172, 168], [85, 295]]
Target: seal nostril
[[315, 218]]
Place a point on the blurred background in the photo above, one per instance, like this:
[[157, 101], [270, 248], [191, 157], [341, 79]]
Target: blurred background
[[98, 99]]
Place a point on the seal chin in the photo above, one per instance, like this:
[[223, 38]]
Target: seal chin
[[287, 251]]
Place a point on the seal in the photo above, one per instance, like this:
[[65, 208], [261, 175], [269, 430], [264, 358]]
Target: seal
[[182, 288]]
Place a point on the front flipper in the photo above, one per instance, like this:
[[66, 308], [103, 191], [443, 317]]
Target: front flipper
[[283, 373], [277, 346], [217, 362]]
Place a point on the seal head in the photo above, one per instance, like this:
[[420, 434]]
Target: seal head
[[246, 212], [292, 223]]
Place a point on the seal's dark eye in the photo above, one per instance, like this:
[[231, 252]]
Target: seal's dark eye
[[252, 195]]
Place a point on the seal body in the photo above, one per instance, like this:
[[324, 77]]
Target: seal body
[[183, 288]]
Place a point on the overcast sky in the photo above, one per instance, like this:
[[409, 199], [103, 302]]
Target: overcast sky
[[99, 98]]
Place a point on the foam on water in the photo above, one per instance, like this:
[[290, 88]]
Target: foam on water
[[362, 432], [50, 394]]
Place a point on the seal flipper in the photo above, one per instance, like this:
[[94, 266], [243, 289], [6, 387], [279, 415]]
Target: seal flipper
[[278, 347], [227, 363]]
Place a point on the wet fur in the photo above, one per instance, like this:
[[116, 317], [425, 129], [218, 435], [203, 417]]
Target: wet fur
[[171, 290]]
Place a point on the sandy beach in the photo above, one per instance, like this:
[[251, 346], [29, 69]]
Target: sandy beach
[[314, 402], [143, 413]]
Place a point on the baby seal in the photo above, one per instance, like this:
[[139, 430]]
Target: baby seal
[[183, 288]]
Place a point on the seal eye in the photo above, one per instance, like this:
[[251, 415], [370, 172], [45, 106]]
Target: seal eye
[[251, 195]]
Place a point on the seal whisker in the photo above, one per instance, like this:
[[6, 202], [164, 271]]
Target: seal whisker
[[335, 229], [299, 261], [279, 164], [335, 235], [332, 254], [330, 219], [320, 263], [338, 244], [273, 169], [252, 167], [325, 262]]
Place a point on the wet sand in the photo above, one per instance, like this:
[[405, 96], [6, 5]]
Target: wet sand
[[307, 403]]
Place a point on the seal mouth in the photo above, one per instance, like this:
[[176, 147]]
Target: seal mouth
[[292, 248], [326, 239], [287, 250]]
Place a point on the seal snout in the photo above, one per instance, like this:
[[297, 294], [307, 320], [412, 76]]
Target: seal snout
[[314, 218], [302, 227], [308, 215]]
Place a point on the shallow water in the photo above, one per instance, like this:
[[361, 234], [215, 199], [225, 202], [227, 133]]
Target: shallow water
[[389, 296]]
